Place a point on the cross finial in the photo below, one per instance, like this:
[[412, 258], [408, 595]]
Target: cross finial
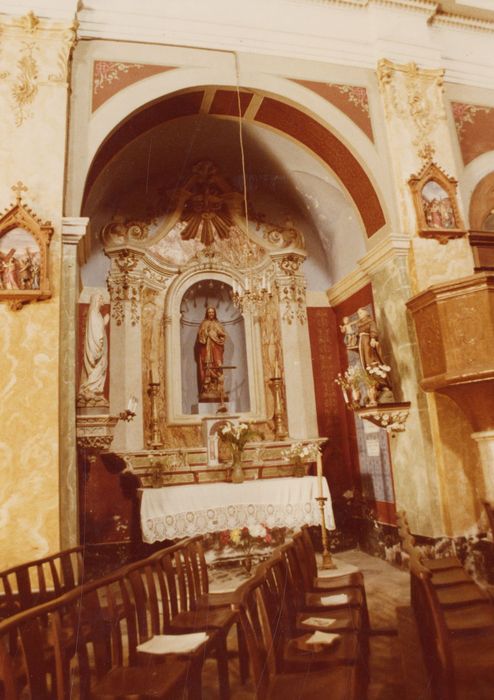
[[18, 188]]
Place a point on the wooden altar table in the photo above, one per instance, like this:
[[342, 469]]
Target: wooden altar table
[[183, 511]]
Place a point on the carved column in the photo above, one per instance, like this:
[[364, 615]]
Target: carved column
[[73, 230], [125, 287], [299, 381]]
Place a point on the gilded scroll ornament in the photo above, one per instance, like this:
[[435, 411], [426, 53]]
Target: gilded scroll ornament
[[69, 39], [413, 93], [125, 285], [25, 87]]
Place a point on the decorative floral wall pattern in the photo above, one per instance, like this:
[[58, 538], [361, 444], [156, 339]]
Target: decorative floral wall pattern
[[475, 129], [109, 77], [351, 99]]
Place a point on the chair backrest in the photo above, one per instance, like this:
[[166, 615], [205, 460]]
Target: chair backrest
[[310, 552], [440, 654], [35, 582], [44, 651], [251, 606]]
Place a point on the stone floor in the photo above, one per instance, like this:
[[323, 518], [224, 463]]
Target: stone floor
[[387, 588]]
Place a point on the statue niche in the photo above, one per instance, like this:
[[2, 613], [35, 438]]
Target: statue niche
[[213, 350]]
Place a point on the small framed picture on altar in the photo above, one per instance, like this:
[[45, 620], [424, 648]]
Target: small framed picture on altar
[[217, 451], [24, 245], [434, 198]]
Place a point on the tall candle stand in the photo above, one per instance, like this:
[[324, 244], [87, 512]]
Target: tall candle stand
[[327, 561], [155, 441], [276, 382]]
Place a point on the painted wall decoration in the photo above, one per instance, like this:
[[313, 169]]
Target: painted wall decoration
[[436, 208], [24, 242], [109, 77], [475, 129]]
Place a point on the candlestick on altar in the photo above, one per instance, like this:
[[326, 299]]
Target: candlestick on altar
[[327, 562]]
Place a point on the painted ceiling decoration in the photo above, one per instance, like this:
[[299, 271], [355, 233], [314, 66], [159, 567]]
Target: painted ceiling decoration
[[351, 99], [475, 129], [109, 77], [268, 112]]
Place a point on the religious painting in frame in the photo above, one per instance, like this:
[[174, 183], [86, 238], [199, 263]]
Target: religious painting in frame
[[434, 198], [24, 245]]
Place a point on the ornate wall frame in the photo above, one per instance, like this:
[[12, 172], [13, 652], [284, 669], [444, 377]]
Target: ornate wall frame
[[24, 278], [437, 216]]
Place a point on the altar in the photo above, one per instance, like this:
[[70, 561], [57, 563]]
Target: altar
[[174, 512]]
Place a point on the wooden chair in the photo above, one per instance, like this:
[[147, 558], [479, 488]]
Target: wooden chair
[[291, 651], [408, 543], [90, 660], [305, 546], [163, 591], [461, 665], [340, 682], [35, 582]]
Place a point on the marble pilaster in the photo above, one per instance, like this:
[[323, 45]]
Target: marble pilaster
[[299, 380], [73, 231], [125, 287]]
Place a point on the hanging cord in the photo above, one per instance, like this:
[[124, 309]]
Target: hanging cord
[[240, 127]]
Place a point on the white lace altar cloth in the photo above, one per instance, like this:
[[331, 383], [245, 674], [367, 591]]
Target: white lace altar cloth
[[183, 511]]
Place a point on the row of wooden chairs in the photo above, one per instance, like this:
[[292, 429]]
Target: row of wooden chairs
[[87, 643], [38, 581], [455, 619], [280, 611]]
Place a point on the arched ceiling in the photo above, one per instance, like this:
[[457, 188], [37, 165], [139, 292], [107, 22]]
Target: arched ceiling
[[255, 109], [284, 181]]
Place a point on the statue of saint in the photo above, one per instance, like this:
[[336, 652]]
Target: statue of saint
[[370, 350], [95, 363], [210, 349]]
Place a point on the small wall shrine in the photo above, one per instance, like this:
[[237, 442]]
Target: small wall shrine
[[24, 245]]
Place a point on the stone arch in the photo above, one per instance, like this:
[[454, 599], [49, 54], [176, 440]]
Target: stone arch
[[320, 127]]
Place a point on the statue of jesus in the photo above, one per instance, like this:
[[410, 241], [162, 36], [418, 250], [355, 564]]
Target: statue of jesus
[[210, 350]]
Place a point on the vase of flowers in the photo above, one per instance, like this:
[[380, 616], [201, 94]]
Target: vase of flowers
[[237, 436], [299, 454]]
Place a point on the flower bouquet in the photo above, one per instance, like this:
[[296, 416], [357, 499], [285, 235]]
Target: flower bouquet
[[300, 453], [237, 436], [245, 543]]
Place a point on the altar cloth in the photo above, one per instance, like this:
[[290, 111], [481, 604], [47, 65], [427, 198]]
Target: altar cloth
[[174, 512]]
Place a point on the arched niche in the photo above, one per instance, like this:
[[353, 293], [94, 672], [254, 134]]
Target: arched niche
[[197, 298], [242, 349]]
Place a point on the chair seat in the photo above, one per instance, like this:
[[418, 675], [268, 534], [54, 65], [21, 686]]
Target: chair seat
[[353, 599], [442, 563], [338, 683], [153, 681], [345, 620], [474, 666], [326, 583], [462, 594], [450, 577], [299, 656], [216, 618], [215, 600], [478, 617]]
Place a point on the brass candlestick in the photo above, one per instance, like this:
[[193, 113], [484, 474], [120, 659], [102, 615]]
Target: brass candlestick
[[327, 561], [155, 441], [280, 430]]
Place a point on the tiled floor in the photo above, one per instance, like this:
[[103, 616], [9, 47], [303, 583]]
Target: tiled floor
[[387, 587]]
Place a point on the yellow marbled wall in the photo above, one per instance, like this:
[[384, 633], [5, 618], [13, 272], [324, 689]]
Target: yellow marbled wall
[[33, 103]]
